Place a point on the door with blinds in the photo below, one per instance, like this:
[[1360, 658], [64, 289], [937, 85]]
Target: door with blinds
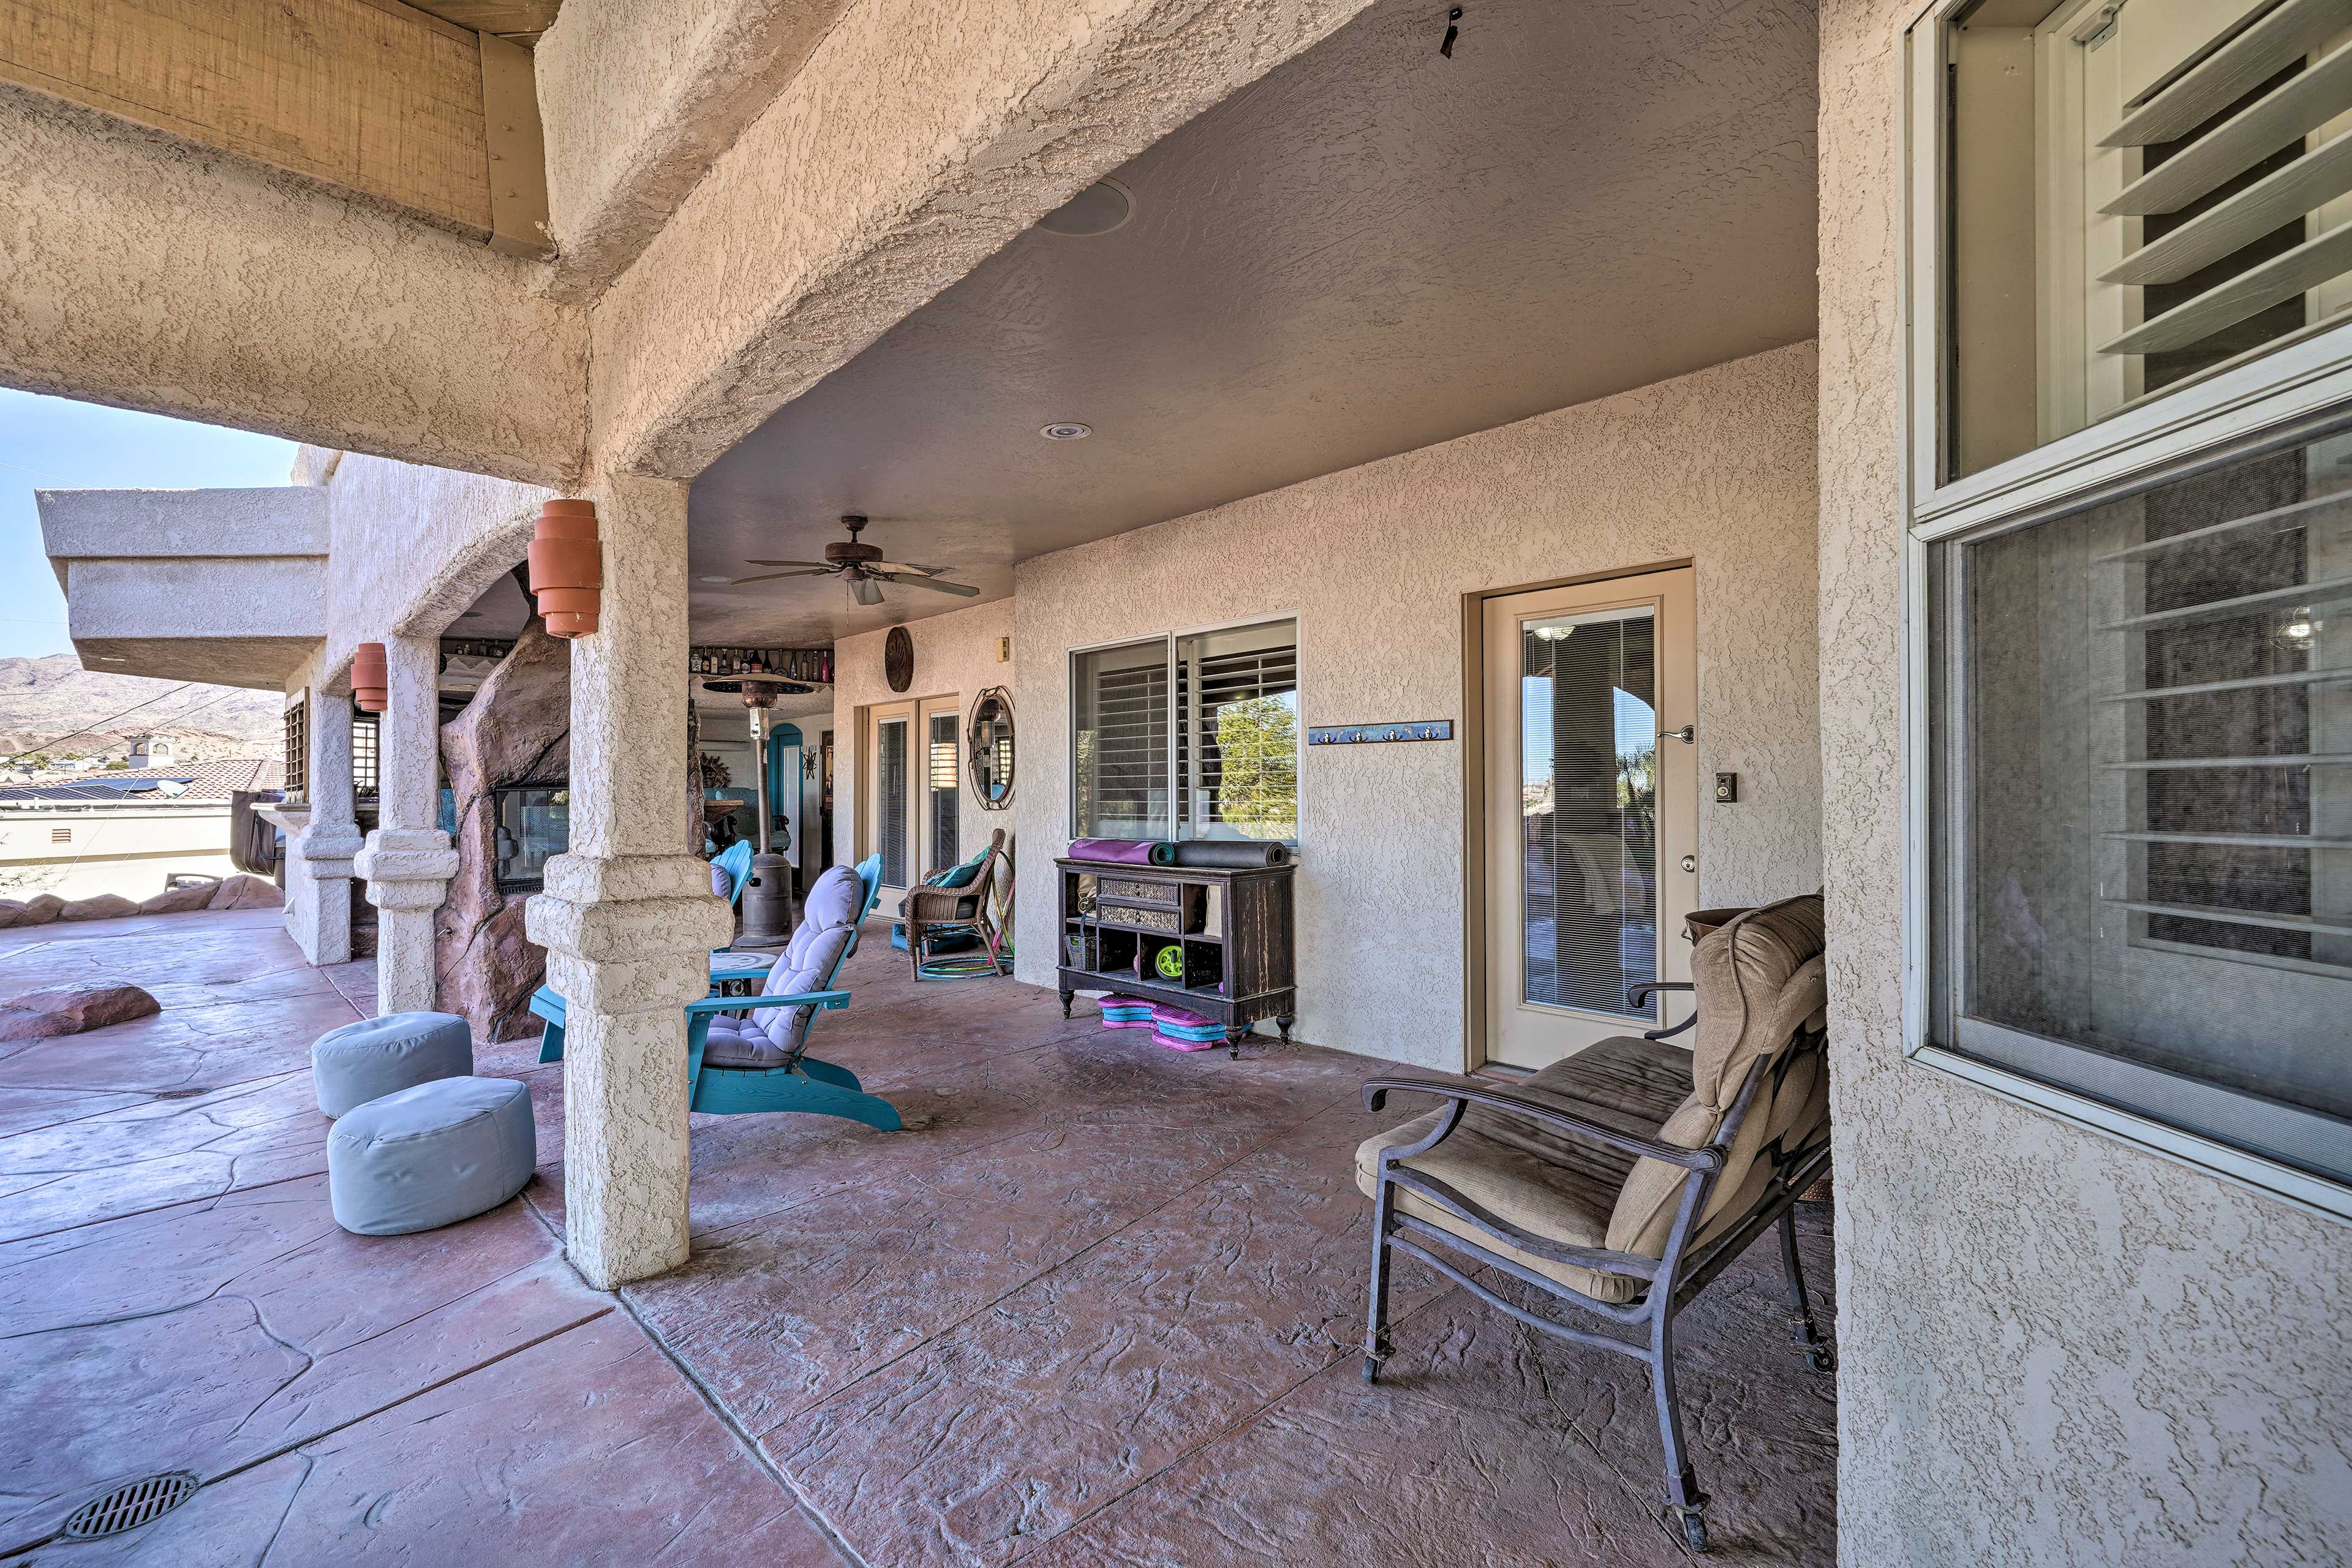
[[888, 805], [913, 803], [1592, 811]]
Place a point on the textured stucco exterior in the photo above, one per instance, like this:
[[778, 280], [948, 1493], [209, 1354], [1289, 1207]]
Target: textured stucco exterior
[[148, 273], [414, 546], [2054, 1348], [228, 586], [918, 139], [1713, 468], [636, 100], [955, 655]]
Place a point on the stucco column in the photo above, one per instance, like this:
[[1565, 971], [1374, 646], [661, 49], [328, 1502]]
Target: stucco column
[[408, 860], [319, 879], [627, 917]]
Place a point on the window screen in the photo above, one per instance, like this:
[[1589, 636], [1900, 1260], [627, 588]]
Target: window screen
[[2144, 834], [1120, 732], [1189, 737], [1238, 747], [2139, 193]]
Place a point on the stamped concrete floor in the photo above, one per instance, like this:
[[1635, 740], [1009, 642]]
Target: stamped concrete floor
[[1099, 1303]]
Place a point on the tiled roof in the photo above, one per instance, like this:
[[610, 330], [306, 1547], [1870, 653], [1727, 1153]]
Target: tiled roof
[[207, 782]]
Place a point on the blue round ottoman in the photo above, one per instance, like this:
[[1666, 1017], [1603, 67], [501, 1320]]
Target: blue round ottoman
[[375, 1056], [431, 1155]]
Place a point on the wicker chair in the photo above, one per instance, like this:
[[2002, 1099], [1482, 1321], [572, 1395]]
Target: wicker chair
[[966, 906], [1622, 1180]]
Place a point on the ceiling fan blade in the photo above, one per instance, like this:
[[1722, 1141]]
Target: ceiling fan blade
[[820, 565], [944, 587], [864, 590], [899, 567], [772, 576]]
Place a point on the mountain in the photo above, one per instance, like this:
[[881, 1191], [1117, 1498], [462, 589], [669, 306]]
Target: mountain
[[43, 699]]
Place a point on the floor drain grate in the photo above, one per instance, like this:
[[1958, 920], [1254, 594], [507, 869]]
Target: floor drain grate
[[129, 1507]]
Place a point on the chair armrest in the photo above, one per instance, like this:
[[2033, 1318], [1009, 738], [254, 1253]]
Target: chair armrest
[[1640, 995], [545, 1003], [1536, 1106], [919, 901], [747, 1004]]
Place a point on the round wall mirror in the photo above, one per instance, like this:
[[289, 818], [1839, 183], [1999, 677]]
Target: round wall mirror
[[989, 744]]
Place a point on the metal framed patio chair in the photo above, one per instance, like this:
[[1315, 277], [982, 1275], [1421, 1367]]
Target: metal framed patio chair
[[1622, 1181], [744, 1056]]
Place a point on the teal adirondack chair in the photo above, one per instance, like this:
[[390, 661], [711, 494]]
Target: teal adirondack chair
[[736, 861], [794, 1081]]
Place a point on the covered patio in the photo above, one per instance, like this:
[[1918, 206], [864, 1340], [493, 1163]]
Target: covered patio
[[1099, 1303]]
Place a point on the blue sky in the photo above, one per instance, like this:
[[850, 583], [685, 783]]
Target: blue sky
[[53, 443]]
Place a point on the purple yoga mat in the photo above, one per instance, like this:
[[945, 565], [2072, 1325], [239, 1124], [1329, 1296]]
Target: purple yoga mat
[[1113, 851]]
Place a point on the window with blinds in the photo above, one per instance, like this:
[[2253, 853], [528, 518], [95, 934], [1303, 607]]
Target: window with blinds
[[2145, 801], [1237, 751], [943, 787], [2142, 192], [1188, 737], [890, 817]]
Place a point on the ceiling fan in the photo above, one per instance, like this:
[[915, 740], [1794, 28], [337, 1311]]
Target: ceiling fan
[[862, 567]]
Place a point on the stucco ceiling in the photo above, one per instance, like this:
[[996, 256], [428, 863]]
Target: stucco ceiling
[[1371, 249]]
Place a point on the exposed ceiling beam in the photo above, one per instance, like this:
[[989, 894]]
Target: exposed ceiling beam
[[369, 96], [518, 21]]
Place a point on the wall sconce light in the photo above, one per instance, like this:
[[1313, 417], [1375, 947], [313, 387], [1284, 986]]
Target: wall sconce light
[[567, 573], [370, 685]]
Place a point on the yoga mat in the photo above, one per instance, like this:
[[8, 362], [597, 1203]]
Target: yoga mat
[[1116, 851], [1229, 854]]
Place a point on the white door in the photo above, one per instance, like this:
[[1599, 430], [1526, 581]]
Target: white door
[[1592, 810], [913, 799], [888, 805]]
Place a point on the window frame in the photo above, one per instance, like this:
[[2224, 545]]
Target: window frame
[[1168, 640], [2284, 396]]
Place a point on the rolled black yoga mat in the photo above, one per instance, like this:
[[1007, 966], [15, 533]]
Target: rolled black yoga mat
[[1229, 854]]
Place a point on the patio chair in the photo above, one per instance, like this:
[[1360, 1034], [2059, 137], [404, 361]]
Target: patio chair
[[739, 1063], [932, 907], [1622, 1181], [734, 863]]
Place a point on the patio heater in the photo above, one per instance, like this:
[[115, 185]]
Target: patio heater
[[768, 895]]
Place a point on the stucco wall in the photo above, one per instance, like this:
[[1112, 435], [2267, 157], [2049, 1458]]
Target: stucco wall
[[414, 546], [147, 273], [953, 653], [2054, 1348], [1715, 467]]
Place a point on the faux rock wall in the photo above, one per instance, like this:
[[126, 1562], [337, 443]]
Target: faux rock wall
[[517, 730], [1715, 467], [2053, 1347]]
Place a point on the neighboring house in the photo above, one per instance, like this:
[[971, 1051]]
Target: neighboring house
[[126, 833], [1914, 440]]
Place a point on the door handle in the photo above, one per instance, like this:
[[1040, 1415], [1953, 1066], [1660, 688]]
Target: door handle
[[1690, 862], [1687, 734]]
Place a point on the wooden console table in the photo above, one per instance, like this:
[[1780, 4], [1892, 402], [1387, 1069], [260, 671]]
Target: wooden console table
[[1231, 933]]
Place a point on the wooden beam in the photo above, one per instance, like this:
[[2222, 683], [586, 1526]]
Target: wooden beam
[[518, 149], [370, 95], [518, 21]]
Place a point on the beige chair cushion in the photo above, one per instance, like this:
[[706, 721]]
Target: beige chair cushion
[[1563, 1189], [1762, 980]]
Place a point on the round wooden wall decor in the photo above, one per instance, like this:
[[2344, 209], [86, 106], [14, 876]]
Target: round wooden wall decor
[[898, 659]]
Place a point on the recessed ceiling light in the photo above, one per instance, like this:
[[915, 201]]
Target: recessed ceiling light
[[1099, 208], [713, 579], [1067, 431]]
